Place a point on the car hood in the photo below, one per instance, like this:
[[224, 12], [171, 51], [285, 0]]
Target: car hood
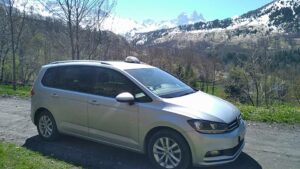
[[203, 106]]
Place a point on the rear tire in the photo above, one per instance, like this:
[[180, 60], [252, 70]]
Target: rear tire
[[46, 126], [167, 149]]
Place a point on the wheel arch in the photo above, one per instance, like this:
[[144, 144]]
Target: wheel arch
[[38, 112], [152, 131]]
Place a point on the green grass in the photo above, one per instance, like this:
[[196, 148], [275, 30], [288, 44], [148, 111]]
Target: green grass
[[15, 157], [22, 91], [218, 91], [279, 113]]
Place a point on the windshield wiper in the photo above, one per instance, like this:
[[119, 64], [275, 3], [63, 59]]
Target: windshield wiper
[[177, 94], [187, 93]]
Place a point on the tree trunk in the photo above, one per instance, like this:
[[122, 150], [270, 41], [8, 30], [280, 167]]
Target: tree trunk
[[2, 68], [21, 55], [265, 90], [13, 47], [77, 44], [71, 36], [72, 43], [77, 35], [213, 87], [257, 92], [248, 90], [214, 79], [202, 86]]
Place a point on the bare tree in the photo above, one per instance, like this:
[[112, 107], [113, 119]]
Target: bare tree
[[4, 39], [214, 68], [16, 24], [78, 14], [251, 75], [265, 62]]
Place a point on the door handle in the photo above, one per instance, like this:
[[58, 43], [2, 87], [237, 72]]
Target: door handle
[[54, 95], [94, 102]]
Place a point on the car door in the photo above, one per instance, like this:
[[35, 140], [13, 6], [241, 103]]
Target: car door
[[111, 121], [68, 98]]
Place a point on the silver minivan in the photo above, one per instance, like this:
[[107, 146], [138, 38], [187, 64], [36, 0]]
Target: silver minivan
[[138, 107]]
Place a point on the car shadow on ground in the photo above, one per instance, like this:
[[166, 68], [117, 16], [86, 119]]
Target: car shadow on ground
[[94, 155]]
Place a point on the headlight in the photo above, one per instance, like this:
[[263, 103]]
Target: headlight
[[208, 127]]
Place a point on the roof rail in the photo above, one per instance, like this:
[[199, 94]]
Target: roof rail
[[70, 61]]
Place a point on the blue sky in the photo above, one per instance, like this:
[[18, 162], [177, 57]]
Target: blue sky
[[158, 10]]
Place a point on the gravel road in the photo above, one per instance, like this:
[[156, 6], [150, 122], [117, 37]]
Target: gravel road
[[269, 146]]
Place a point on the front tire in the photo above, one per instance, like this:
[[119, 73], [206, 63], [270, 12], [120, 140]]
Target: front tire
[[167, 149], [46, 126]]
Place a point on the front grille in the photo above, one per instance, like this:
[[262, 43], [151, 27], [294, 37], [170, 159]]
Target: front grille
[[234, 124]]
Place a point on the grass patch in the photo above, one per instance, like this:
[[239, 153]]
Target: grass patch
[[218, 91], [15, 157], [22, 91], [279, 113]]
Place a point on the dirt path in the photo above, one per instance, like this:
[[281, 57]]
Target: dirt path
[[268, 146]]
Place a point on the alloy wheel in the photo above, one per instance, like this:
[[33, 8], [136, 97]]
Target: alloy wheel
[[167, 152], [45, 126]]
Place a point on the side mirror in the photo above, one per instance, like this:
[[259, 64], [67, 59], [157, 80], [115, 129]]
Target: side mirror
[[125, 98]]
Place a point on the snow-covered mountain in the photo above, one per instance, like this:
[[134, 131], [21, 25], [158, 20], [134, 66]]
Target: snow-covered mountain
[[122, 26], [34, 7], [277, 17], [129, 28]]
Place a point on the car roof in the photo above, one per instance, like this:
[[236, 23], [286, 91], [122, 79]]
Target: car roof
[[115, 64]]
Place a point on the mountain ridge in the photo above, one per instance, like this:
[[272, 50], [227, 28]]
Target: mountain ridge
[[131, 27], [277, 17], [112, 23]]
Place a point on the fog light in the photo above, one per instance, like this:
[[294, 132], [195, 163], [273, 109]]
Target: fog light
[[213, 153]]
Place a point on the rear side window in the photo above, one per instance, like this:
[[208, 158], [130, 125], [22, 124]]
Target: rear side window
[[50, 78], [75, 78]]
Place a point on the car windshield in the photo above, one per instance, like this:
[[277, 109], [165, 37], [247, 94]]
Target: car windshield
[[160, 82]]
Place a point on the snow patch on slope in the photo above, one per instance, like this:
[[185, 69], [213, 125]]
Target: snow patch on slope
[[34, 7], [272, 18], [122, 26], [128, 27]]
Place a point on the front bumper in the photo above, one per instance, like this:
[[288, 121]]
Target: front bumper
[[229, 145]]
